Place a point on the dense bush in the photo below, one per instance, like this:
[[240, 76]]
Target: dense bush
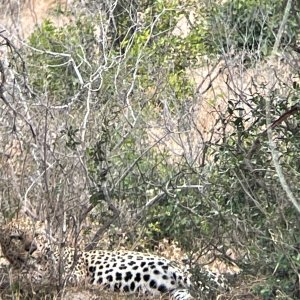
[[118, 144]]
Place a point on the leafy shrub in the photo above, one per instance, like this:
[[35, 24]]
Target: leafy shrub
[[251, 26], [56, 61]]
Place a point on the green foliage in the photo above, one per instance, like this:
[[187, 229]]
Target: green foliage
[[251, 26], [71, 134], [284, 279], [57, 56], [243, 181], [162, 50]]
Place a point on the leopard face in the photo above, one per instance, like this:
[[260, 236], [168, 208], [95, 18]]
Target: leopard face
[[17, 245]]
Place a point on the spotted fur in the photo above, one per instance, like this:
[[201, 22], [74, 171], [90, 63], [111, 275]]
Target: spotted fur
[[119, 271], [134, 272]]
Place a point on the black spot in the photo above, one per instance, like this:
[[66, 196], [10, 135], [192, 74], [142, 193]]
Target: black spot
[[106, 285], [108, 271], [126, 289], [156, 272], [100, 267], [128, 276], [117, 286], [162, 288], [92, 269], [118, 276], [165, 277], [151, 263], [100, 280], [109, 278], [123, 267], [114, 265], [160, 263], [99, 274], [132, 286], [153, 284], [129, 256], [145, 269], [131, 263], [107, 266], [165, 267], [153, 267], [135, 267], [180, 277], [172, 282], [146, 277], [174, 276], [143, 264], [137, 277]]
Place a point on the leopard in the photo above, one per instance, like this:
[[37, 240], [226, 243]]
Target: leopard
[[121, 271]]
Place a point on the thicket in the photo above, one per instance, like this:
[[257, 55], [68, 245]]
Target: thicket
[[108, 126]]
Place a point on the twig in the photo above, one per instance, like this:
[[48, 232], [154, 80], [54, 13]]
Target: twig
[[281, 28], [275, 158], [256, 144]]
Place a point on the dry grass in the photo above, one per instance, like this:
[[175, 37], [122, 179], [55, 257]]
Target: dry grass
[[12, 289], [69, 293], [243, 289]]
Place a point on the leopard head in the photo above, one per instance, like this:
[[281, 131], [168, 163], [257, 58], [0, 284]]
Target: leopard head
[[17, 244]]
